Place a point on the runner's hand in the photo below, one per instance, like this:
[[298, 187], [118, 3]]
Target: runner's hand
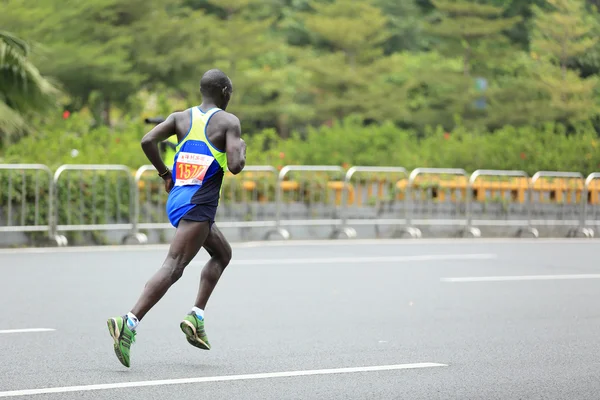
[[168, 182]]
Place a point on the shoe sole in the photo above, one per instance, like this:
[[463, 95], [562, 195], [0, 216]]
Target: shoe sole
[[113, 328], [191, 335]]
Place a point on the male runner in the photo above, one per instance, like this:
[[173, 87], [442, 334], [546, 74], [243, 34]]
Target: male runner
[[209, 143]]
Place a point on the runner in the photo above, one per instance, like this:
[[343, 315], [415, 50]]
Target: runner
[[209, 143]]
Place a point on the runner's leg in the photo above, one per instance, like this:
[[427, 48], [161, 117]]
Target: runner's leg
[[220, 252]]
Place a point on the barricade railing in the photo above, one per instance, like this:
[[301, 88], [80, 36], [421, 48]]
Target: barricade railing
[[438, 202], [501, 200], [371, 196], [592, 196], [108, 197], [25, 198], [566, 191], [309, 200], [248, 199], [100, 198], [149, 202]]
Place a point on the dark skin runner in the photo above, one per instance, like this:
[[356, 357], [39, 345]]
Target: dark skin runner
[[224, 131]]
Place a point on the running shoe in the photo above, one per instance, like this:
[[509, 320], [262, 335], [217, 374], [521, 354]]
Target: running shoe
[[193, 327], [123, 337]]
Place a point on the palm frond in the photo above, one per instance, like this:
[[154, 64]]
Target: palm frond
[[23, 89]]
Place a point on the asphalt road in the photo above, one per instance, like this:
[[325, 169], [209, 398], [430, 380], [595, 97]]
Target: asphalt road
[[299, 312]]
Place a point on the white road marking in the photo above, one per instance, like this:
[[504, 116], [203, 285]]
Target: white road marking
[[26, 330], [296, 243], [520, 278], [270, 375], [355, 260]]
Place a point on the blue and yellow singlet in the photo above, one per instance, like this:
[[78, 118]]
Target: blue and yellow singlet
[[198, 170]]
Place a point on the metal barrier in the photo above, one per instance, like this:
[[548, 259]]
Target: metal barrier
[[149, 203], [441, 202], [24, 208], [247, 200], [499, 201], [372, 199], [309, 202], [108, 197], [567, 191], [84, 207], [591, 195]]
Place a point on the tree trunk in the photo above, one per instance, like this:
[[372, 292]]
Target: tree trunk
[[563, 68], [351, 57], [467, 60], [282, 127], [106, 111]]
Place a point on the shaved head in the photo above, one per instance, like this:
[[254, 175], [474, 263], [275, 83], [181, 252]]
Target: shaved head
[[215, 84]]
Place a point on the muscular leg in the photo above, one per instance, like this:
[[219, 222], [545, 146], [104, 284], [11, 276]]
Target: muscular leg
[[220, 255], [220, 252], [189, 238]]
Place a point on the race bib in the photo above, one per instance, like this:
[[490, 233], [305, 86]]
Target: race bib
[[191, 168]]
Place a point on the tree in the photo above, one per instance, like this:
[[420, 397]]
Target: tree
[[468, 24], [23, 90], [268, 86], [517, 97], [290, 21], [87, 46], [170, 48], [588, 63], [519, 33], [559, 35], [405, 25], [339, 68], [416, 90], [342, 26]]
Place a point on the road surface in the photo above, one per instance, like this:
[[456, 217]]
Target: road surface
[[420, 319]]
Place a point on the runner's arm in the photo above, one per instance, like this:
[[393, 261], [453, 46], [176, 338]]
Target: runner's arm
[[150, 142], [235, 147]]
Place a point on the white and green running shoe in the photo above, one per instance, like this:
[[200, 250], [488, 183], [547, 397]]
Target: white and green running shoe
[[123, 337], [193, 327]]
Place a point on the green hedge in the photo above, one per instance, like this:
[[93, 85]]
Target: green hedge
[[346, 143]]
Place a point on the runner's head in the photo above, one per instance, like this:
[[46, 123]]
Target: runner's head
[[216, 86]]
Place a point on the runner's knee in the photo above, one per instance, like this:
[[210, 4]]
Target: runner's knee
[[176, 263], [223, 256], [227, 255]]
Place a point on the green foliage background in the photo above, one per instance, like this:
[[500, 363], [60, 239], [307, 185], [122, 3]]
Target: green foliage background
[[302, 63], [346, 142], [415, 83]]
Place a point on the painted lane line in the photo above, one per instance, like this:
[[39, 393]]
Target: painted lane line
[[270, 375], [300, 243], [357, 260], [27, 330], [520, 278], [354, 260]]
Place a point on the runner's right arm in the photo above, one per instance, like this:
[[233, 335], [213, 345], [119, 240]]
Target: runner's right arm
[[150, 142]]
